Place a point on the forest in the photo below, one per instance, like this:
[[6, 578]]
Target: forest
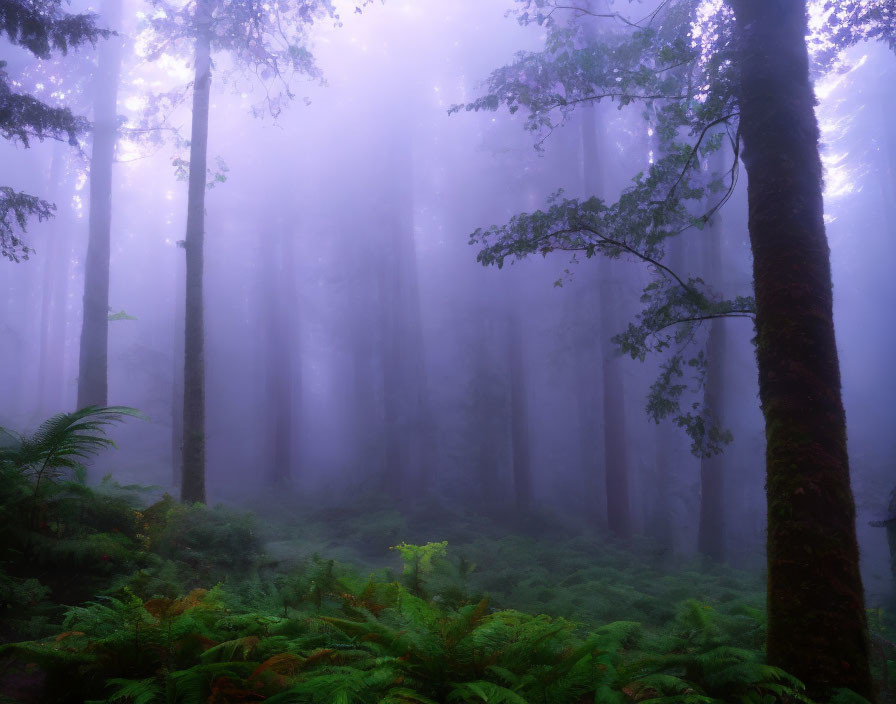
[[447, 351]]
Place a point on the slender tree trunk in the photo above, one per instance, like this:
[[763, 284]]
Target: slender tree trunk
[[93, 367], [193, 479], [816, 611], [711, 530], [177, 373], [280, 306], [587, 379], [519, 418], [407, 431], [661, 525], [670, 458], [55, 258], [394, 471], [615, 451]]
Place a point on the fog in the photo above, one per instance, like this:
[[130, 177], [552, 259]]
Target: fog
[[354, 345]]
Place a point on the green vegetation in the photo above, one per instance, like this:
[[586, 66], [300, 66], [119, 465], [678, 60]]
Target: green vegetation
[[110, 601]]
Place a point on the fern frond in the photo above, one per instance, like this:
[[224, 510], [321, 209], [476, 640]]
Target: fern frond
[[147, 691], [484, 691]]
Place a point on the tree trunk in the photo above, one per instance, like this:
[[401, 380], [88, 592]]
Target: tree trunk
[[193, 479], [407, 426], [92, 365], [177, 374], [280, 305], [816, 613], [53, 290], [711, 530], [615, 451], [519, 418]]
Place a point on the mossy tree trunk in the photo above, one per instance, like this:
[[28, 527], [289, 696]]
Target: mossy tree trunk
[[816, 612], [193, 472], [93, 387]]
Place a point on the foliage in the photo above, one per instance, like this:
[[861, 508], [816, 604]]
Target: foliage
[[41, 28], [53, 523], [419, 562], [269, 41], [686, 90], [374, 641], [187, 608]]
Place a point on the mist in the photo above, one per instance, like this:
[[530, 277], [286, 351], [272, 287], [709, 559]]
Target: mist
[[357, 354]]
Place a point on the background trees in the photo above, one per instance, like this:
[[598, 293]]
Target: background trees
[[266, 39], [41, 31], [382, 362]]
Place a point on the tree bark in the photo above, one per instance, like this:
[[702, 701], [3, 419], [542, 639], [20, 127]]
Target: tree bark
[[93, 389], [193, 478], [816, 612]]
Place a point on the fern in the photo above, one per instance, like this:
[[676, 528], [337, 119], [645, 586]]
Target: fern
[[147, 691]]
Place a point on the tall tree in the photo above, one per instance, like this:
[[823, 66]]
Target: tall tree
[[407, 426], [519, 416], [610, 290], [711, 528], [816, 608], [280, 301], [54, 291], [752, 62], [270, 39], [193, 466], [93, 387]]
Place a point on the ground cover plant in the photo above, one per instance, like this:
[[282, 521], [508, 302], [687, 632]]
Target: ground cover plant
[[113, 594]]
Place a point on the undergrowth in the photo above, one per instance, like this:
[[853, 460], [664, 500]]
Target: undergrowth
[[108, 599]]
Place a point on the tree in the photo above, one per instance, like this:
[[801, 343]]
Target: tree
[[93, 360], [816, 609], [519, 416], [613, 399], [41, 29], [270, 40], [280, 299], [711, 527], [749, 75]]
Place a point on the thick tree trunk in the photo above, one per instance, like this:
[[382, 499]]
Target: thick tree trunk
[[816, 611], [615, 454], [193, 479], [519, 418], [93, 367]]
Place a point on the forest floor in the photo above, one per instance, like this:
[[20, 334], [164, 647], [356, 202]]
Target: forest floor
[[109, 599]]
